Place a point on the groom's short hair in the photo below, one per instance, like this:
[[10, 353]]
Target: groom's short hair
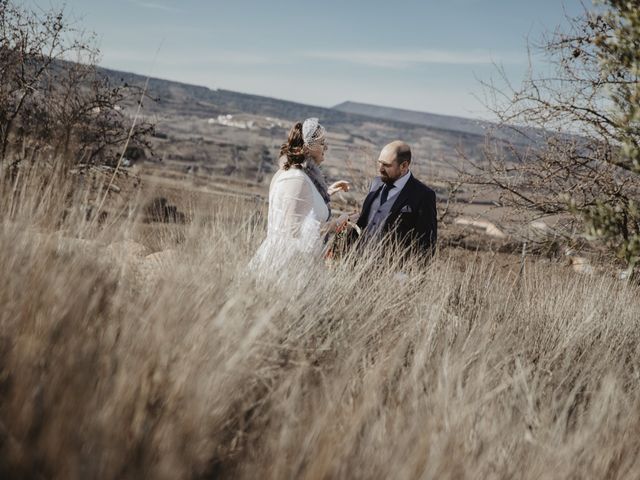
[[403, 154], [396, 151]]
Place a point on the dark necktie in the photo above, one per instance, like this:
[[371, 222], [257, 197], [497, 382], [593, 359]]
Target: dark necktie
[[385, 193]]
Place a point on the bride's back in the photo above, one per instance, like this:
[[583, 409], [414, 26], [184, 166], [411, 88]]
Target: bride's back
[[294, 200]]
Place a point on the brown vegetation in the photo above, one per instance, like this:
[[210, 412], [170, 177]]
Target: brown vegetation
[[179, 364], [135, 342]]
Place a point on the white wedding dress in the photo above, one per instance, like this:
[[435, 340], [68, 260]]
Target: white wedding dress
[[297, 213]]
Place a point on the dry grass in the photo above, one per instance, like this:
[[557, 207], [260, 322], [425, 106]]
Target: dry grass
[[116, 365]]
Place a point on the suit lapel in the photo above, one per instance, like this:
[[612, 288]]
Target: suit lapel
[[402, 197]]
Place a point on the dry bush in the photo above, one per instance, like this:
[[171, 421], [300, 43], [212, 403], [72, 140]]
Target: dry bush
[[185, 365], [54, 98], [575, 122]]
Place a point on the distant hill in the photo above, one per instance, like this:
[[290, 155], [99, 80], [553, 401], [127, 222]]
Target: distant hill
[[198, 101], [202, 101], [432, 135], [448, 123], [431, 120]]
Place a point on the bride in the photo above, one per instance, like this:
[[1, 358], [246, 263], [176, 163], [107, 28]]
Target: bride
[[299, 212]]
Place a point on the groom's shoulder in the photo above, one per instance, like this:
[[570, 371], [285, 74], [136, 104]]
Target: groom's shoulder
[[421, 187]]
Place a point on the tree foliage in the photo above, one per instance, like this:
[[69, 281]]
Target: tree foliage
[[618, 47]]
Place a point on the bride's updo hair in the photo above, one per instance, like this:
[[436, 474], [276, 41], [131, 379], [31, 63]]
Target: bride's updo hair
[[293, 150]]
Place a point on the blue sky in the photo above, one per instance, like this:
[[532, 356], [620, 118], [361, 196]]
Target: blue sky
[[423, 55]]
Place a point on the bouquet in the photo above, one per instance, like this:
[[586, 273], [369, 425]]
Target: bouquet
[[340, 240]]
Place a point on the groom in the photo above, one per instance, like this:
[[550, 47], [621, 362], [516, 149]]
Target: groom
[[399, 206]]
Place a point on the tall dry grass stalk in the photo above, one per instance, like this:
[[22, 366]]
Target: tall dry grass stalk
[[182, 365]]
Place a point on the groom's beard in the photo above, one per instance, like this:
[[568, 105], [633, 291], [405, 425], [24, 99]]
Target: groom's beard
[[386, 179]]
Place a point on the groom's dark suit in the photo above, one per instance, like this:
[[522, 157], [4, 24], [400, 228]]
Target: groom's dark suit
[[412, 219]]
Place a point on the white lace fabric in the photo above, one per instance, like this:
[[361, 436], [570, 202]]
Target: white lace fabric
[[296, 215], [312, 132]]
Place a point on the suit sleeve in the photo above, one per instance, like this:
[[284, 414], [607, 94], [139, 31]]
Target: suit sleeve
[[427, 227]]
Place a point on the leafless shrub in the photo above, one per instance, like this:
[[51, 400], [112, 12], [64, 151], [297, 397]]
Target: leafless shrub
[[571, 129], [52, 96]]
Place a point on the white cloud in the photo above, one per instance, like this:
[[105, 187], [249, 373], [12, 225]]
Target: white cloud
[[237, 59], [200, 59], [384, 59], [405, 59], [156, 6]]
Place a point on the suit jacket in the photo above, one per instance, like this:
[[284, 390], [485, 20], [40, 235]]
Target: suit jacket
[[413, 216]]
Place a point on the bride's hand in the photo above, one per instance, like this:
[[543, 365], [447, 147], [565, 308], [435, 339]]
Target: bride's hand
[[341, 185]]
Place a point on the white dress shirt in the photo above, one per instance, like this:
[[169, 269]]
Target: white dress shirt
[[393, 193]]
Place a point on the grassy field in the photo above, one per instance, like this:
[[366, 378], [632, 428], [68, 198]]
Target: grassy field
[[133, 350]]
